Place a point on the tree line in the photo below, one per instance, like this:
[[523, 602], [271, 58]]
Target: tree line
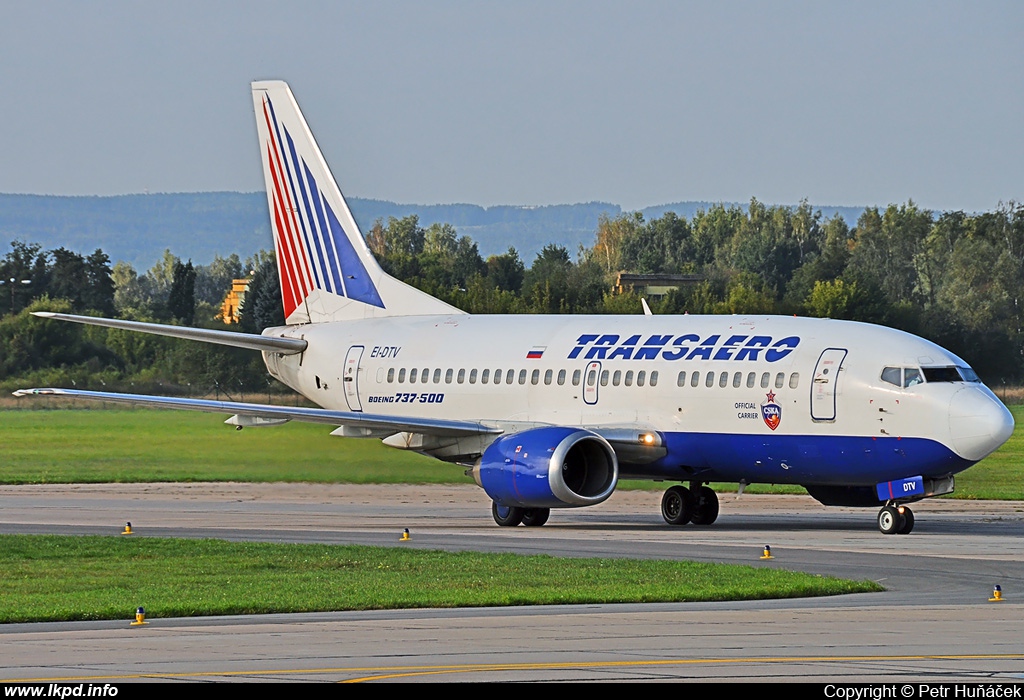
[[953, 277]]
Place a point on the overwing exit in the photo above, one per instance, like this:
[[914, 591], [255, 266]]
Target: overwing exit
[[550, 412]]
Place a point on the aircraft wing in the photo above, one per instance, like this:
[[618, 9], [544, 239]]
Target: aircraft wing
[[254, 414], [284, 346]]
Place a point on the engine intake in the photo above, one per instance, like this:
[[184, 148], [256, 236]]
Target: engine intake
[[553, 467]]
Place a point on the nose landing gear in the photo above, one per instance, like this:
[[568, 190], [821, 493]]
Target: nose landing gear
[[895, 519]]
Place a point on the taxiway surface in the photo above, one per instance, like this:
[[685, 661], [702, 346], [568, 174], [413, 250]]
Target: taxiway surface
[[934, 623]]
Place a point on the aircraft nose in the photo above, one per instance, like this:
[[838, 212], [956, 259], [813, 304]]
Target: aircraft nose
[[979, 423]]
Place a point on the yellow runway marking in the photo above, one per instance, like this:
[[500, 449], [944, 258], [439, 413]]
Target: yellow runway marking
[[388, 673]]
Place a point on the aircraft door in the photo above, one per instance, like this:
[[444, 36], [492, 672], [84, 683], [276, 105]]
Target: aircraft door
[[351, 377], [825, 385], [591, 381]]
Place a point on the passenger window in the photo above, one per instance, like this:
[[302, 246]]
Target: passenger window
[[641, 376], [695, 379], [448, 376], [547, 377], [576, 377], [401, 376], [391, 376], [437, 376], [497, 376], [764, 380], [751, 378], [485, 376], [591, 377], [413, 373], [511, 374], [681, 379], [709, 381], [723, 380], [780, 379], [425, 375], [629, 378], [604, 378], [794, 380], [654, 378], [522, 376], [737, 380], [617, 377], [535, 377], [461, 376], [472, 376], [561, 378]]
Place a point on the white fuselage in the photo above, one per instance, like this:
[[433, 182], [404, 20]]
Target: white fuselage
[[770, 379]]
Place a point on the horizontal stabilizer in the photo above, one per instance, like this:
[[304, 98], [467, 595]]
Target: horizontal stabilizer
[[284, 346], [308, 415]]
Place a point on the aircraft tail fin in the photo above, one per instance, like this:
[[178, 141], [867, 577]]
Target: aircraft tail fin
[[327, 272]]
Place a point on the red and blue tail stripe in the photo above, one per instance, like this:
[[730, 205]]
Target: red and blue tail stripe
[[313, 248]]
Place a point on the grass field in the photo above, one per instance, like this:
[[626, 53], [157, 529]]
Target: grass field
[[64, 578], [91, 446], [92, 578]]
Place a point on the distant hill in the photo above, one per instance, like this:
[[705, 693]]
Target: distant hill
[[138, 227]]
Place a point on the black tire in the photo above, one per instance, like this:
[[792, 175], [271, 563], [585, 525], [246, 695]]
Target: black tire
[[677, 505], [535, 517], [506, 516], [908, 522], [889, 520], [705, 506]]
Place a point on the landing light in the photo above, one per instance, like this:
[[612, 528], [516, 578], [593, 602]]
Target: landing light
[[647, 439]]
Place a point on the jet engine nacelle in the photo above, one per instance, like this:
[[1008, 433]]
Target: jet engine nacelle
[[553, 467]]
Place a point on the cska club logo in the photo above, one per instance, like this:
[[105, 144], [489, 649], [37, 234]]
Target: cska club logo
[[771, 412]]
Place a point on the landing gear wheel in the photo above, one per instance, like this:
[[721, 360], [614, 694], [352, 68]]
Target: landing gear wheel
[[677, 505], [890, 521], [535, 517], [705, 506], [908, 522], [506, 516]]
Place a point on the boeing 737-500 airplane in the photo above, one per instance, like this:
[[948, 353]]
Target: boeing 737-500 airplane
[[551, 411]]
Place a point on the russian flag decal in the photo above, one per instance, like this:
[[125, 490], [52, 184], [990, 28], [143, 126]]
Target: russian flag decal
[[537, 352]]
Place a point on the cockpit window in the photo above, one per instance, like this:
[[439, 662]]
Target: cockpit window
[[912, 376], [893, 375], [968, 374], [950, 374], [903, 376], [942, 374]]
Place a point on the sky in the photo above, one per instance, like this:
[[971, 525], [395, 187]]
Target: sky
[[531, 103]]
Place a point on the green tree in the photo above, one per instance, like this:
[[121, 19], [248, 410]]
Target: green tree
[[32, 343], [99, 292], [213, 281], [263, 306], [506, 271], [611, 234], [833, 299], [181, 300], [546, 283]]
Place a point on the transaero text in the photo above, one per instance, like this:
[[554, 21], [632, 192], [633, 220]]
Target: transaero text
[[684, 347]]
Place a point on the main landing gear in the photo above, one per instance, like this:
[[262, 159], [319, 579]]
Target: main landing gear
[[510, 516], [895, 519], [697, 504]]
